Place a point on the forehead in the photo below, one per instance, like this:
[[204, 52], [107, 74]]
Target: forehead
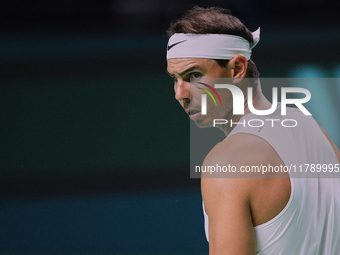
[[178, 65]]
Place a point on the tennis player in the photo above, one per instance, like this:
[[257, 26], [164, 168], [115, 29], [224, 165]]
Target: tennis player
[[275, 215]]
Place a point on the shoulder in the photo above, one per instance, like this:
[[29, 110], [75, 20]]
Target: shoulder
[[234, 152], [240, 151]]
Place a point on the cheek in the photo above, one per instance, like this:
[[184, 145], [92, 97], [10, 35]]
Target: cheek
[[218, 108], [195, 94]]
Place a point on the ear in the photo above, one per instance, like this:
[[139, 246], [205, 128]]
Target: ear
[[238, 66]]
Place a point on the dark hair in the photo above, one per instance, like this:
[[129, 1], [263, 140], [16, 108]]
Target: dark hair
[[214, 20]]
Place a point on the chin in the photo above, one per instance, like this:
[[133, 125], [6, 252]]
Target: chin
[[204, 123]]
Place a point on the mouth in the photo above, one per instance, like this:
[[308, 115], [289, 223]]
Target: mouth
[[193, 114]]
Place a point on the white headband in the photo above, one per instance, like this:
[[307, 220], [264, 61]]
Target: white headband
[[211, 46]]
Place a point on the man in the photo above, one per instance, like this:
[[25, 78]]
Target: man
[[273, 215]]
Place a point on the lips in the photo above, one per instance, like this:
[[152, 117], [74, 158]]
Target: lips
[[193, 113]]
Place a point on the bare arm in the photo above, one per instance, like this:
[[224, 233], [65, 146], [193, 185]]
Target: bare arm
[[235, 205], [227, 203], [230, 224]]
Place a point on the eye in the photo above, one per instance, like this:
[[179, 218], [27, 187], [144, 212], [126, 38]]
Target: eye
[[195, 75]]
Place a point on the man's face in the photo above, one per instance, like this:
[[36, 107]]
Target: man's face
[[187, 94]]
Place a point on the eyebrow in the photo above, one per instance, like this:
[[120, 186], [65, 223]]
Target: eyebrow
[[187, 70]]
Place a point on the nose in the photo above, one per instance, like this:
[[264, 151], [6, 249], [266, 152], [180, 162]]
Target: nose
[[182, 90]]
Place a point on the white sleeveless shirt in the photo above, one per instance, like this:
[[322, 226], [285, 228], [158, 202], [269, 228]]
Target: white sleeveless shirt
[[310, 222]]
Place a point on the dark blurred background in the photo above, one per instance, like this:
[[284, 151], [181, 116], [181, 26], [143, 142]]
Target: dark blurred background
[[94, 150]]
